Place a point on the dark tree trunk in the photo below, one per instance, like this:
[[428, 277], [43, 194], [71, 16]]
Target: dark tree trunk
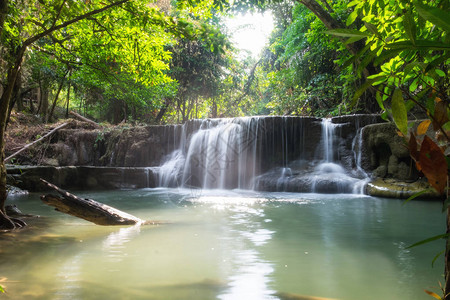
[[214, 109], [52, 109], [162, 112], [68, 95], [16, 94], [13, 71], [3, 13]]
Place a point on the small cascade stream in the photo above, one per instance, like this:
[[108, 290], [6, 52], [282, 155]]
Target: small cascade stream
[[265, 153], [329, 174]]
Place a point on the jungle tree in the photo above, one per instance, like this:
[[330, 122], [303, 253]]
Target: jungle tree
[[127, 34]]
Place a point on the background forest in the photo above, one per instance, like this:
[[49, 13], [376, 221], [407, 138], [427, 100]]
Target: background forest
[[176, 62]]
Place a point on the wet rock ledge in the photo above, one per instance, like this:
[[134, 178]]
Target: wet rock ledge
[[392, 188]]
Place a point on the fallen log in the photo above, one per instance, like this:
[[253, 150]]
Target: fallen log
[[84, 119], [88, 209], [36, 141]]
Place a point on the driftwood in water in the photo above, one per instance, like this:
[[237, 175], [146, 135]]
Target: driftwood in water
[[84, 119], [36, 141], [90, 210]]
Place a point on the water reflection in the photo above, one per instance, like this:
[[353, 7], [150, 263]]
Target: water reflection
[[114, 244], [249, 275], [233, 246], [69, 279], [251, 278]]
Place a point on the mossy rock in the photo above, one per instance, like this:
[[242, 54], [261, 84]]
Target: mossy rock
[[391, 188]]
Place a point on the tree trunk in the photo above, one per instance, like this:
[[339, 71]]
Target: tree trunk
[[15, 96], [84, 119], [3, 13], [13, 71], [68, 94], [322, 14], [214, 109], [50, 115], [162, 111], [87, 209]]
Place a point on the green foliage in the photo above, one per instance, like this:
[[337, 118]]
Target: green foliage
[[303, 77], [410, 42], [399, 111], [118, 60]]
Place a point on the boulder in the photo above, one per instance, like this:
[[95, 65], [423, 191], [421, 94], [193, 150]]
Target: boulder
[[385, 153]]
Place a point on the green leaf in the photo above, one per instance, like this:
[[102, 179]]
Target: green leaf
[[437, 61], [414, 85], [440, 72], [2, 290], [372, 28], [386, 55], [410, 26], [379, 100], [354, 39], [436, 257], [353, 3], [361, 90], [431, 239], [435, 15], [399, 111], [418, 194], [347, 33], [409, 67], [349, 61], [419, 45], [351, 18], [366, 61]]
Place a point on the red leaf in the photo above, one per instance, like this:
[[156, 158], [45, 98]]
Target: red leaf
[[433, 164]]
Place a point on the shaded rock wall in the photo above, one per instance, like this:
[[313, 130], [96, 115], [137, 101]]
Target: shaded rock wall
[[81, 177], [120, 147], [385, 154]]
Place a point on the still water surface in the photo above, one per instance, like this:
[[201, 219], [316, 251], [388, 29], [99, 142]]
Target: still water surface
[[227, 245]]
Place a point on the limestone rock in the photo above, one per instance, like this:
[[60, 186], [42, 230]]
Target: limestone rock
[[391, 188]]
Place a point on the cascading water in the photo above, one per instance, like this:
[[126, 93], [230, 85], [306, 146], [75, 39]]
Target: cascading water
[[328, 129], [221, 154], [329, 175], [262, 153], [357, 152]]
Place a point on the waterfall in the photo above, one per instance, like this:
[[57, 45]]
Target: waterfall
[[220, 154], [357, 152], [265, 153], [328, 130]]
